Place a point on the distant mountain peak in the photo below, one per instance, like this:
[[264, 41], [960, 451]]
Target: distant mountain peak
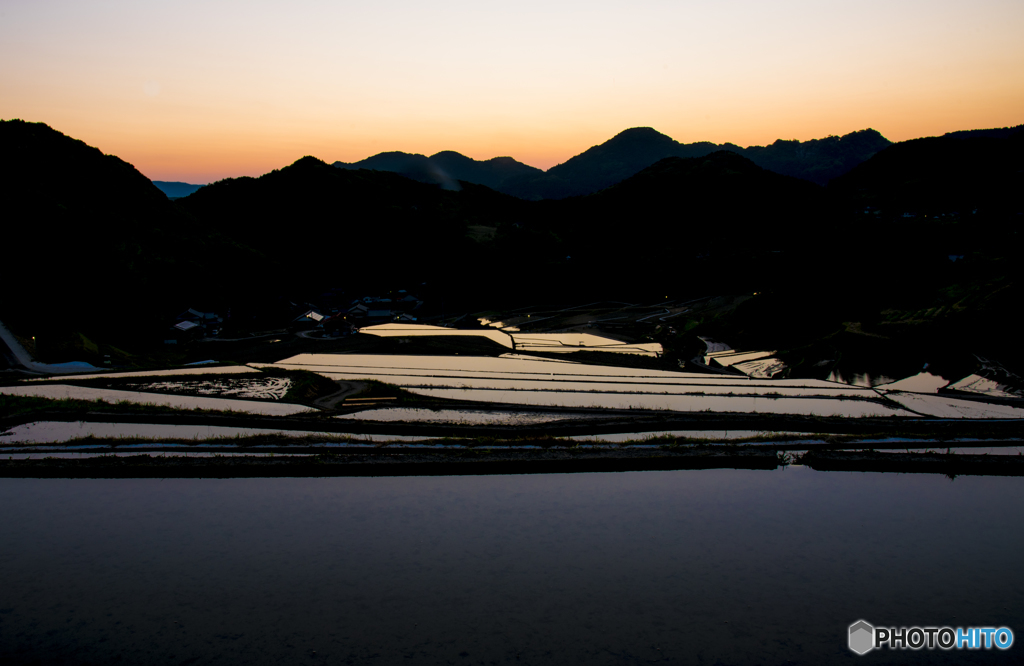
[[308, 161], [639, 136], [450, 153], [640, 132], [870, 131], [448, 167]]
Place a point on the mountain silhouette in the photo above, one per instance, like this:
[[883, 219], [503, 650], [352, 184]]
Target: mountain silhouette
[[319, 223], [622, 156], [447, 168], [994, 133], [629, 152], [96, 246], [818, 160], [175, 189], [94, 240], [955, 173]]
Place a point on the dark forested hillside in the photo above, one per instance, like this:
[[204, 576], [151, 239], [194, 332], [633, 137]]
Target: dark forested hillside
[[89, 238], [675, 224], [921, 242], [320, 224], [993, 133], [956, 173]]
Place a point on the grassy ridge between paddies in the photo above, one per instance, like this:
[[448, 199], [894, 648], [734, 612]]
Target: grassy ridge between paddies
[[16, 407], [296, 441], [490, 461]]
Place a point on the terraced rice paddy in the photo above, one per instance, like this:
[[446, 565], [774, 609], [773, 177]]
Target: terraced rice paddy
[[531, 381], [984, 386], [944, 407], [256, 388], [544, 342], [65, 391], [526, 380]]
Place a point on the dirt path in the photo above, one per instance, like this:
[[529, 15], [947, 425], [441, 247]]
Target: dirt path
[[345, 390]]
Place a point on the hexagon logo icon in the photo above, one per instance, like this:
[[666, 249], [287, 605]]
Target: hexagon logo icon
[[862, 637]]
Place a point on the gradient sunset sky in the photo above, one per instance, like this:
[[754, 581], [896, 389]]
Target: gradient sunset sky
[[198, 91]]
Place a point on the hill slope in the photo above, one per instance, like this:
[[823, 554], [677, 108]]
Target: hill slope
[[957, 172], [683, 217], [91, 242], [353, 227]]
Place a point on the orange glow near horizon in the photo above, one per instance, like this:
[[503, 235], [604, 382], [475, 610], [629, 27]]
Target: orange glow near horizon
[[206, 91]]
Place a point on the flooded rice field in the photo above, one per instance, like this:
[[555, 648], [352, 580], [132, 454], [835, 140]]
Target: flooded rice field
[[922, 382], [985, 386], [866, 380], [927, 382], [258, 388], [757, 364], [571, 342], [710, 435], [64, 391], [952, 408], [417, 330], [526, 368], [712, 566], [763, 368], [514, 339], [204, 370], [525, 380], [731, 357]]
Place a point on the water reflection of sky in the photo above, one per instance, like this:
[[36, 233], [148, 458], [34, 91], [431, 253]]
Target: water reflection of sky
[[718, 566], [510, 337]]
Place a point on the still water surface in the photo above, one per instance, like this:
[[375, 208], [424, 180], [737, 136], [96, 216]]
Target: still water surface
[[722, 566]]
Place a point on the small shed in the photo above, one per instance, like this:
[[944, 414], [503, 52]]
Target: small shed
[[182, 332], [309, 316]]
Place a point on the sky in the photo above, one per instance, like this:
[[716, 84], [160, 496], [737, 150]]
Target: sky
[[199, 91]]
